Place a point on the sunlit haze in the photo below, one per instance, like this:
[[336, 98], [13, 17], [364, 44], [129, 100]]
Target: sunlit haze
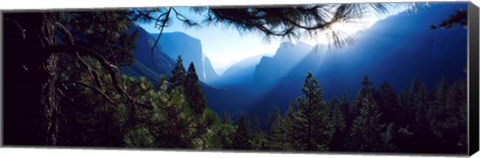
[[225, 46]]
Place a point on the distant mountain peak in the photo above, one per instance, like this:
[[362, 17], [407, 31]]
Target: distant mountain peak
[[286, 44], [288, 49], [176, 44], [180, 34], [294, 44]]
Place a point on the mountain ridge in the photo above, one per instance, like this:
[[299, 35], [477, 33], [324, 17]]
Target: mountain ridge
[[397, 49], [176, 44]]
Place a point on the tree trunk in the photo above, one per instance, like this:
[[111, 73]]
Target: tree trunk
[[30, 74], [50, 100]]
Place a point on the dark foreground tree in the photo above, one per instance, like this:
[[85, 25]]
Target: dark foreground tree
[[171, 123], [54, 41], [338, 120], [277, 139], [241, 140], [179, 75], [387, 101], [366, 131], [193, 93], [227, 132], [367, 89], [312, 128], [447, 116]]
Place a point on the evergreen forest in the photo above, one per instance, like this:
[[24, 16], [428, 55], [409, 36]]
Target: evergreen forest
[[64, 86]]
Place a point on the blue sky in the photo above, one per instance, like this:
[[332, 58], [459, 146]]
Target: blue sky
[[225, 46]]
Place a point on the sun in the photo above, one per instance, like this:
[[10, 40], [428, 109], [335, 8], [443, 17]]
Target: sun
[[341, 30]]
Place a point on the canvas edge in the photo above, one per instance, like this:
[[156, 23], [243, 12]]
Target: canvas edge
[[2, 117], [473, 87], [473, 72]]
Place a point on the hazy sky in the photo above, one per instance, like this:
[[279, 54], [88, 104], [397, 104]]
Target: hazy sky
[[223, 46], [226, 46]]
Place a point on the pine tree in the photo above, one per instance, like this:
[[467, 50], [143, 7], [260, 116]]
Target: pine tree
[[274, 116], [387, 101], [226, 119], [334, 102], [139, 138], [193, 92], [389, 138], [254, 125], [170, 124], [447, 115], [418, 96], [338, 121], [258, 139], [407, 110], [357, 102], [178, 75], [366, 131], [204, 134], [366, 82], [422, 135], [242, 138], [437, 113], [227, 132], [403, 138], [290, 122], [170, 120], [277, 131], [345, 108], [312, 125], [456, 124]]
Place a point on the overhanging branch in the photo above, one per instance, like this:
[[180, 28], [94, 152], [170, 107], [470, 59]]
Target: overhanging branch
[[96, 89], [111, 69]]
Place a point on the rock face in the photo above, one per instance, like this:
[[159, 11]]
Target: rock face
[[143, 65], [170, 46], [271, 69], [178, 43]]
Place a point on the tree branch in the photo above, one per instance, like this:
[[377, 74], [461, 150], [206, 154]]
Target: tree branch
[[71, 40], [17, 24], [107, 42], [164, 23], [103, 62], [96, 89]]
